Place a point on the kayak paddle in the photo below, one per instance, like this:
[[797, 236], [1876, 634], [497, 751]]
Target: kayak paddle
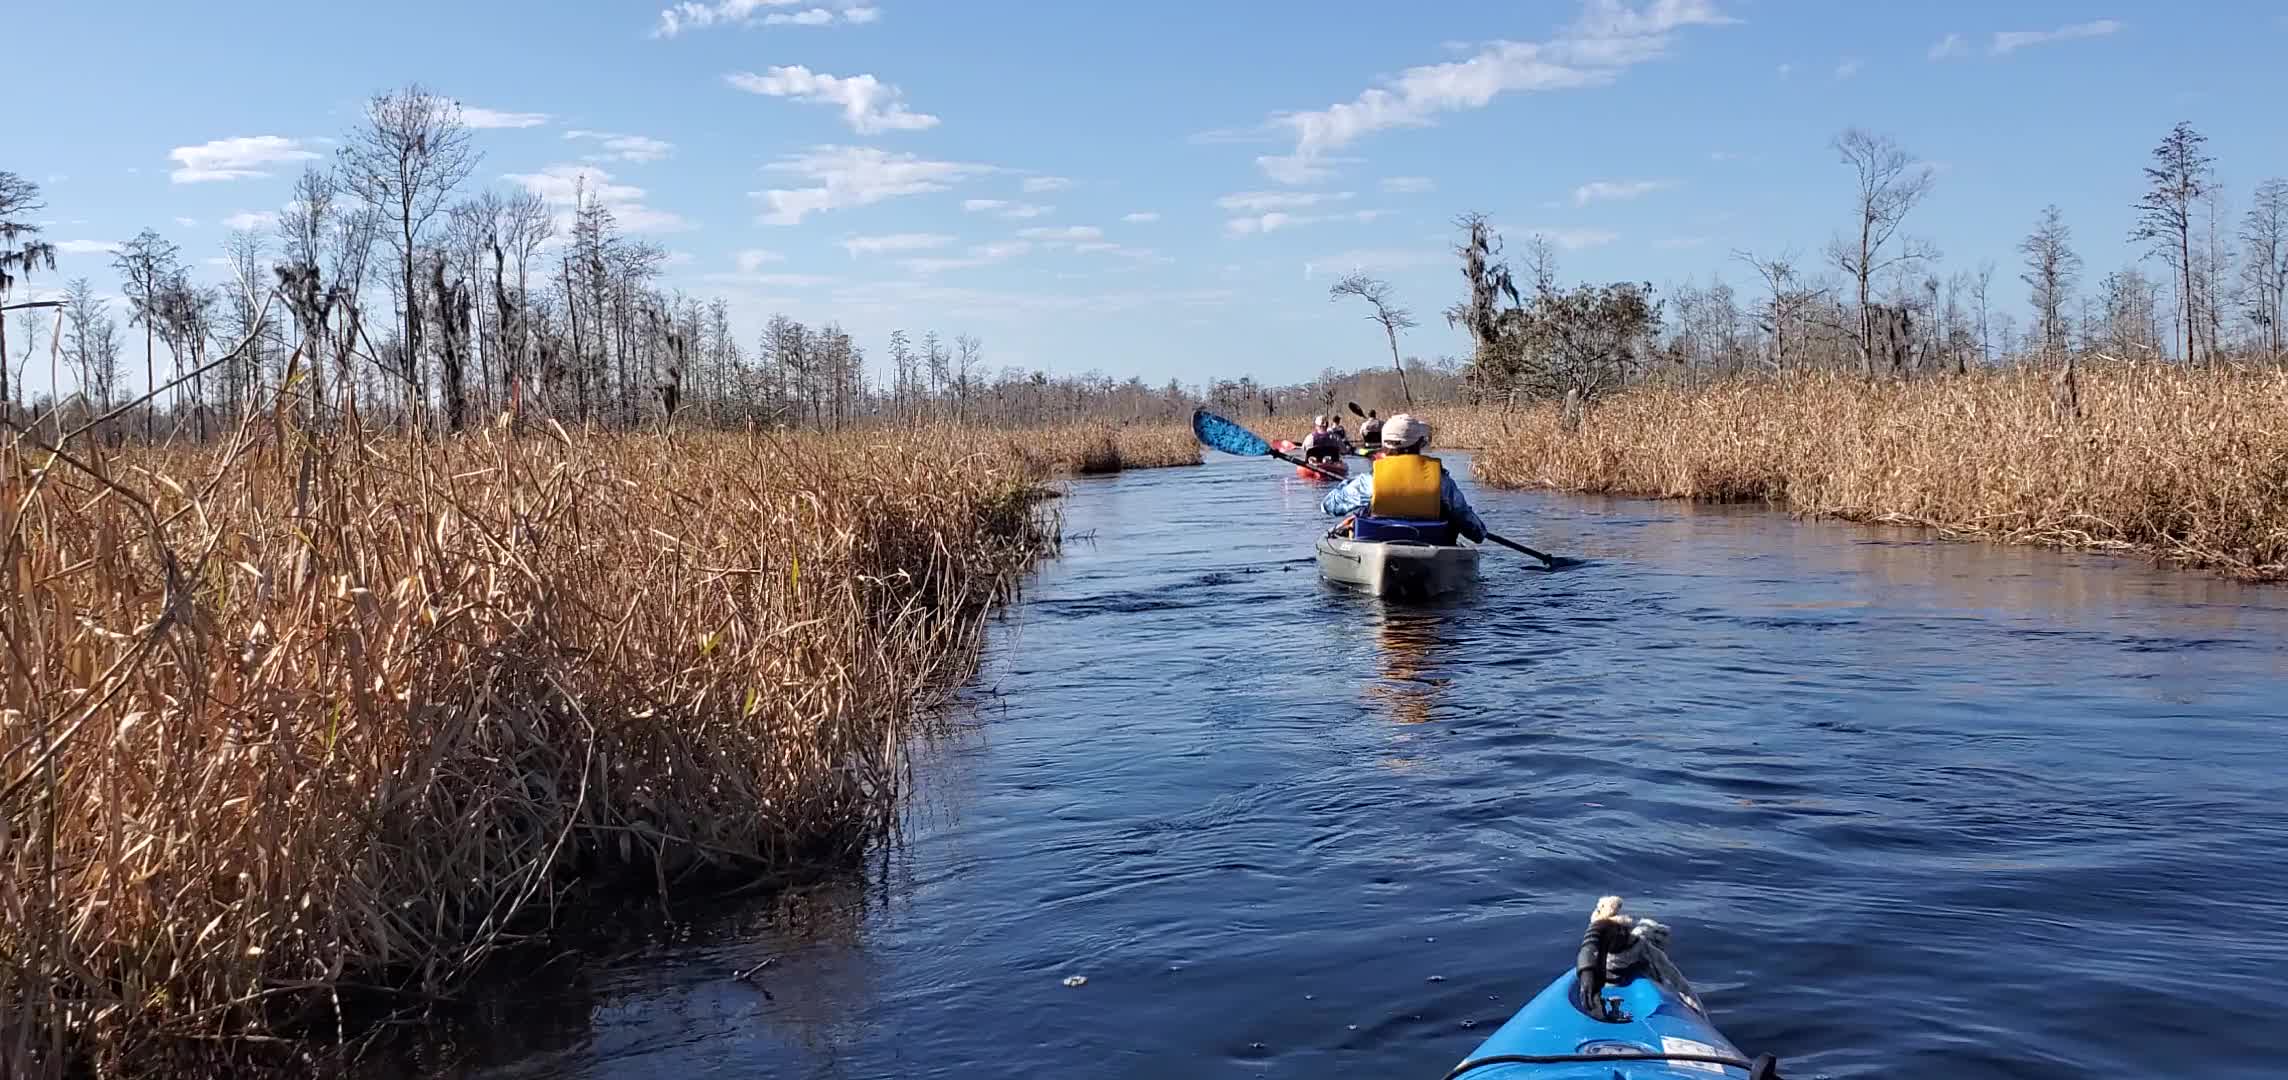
[[1222, 434]]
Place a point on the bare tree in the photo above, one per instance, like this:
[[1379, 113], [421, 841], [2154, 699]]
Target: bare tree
[[526, 224], [244, 253], [969, 355], [2052, 268], [2175, 183], [32, 320], [21, 252], [1392, 317], [405, 162], [2132, 313], [1787, 303], [91, 343], [2264, 264], [146, 264], [2218, 291], [1890, 183]]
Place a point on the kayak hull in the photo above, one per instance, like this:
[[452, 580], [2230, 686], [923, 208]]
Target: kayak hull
[[1337, 466], [1397, 568], [1659, 1022]]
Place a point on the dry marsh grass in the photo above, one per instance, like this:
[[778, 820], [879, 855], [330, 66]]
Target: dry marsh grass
[[311, 713], [1090, 449], [2190, 466]]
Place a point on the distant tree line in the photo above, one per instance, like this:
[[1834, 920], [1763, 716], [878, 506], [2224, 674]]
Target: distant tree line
[[1879, 306], [386, 285]]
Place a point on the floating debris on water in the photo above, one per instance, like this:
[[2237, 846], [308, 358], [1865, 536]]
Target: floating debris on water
[[1437, 978], [1076, 980]]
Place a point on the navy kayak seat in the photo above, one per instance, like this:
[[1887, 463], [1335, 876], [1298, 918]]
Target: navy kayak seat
[[1368, 527]]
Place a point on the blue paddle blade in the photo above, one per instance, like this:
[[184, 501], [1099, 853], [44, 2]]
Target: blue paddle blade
[[1226, 436]]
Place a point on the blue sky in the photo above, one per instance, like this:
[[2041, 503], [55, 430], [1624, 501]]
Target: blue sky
[[1159, 189]]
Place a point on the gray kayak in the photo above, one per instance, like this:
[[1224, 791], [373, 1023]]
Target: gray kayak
[[1400, 568]]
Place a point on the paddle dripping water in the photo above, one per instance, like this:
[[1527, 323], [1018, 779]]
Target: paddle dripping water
[[1913, 810]]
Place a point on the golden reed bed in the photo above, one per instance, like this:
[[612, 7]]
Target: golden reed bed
[[2186, 465], [308, 713], [1089, 449]]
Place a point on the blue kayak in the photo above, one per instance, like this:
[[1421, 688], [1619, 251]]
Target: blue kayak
[[1641, 1020]]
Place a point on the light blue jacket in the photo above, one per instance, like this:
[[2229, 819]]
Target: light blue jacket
[[1354, 495]]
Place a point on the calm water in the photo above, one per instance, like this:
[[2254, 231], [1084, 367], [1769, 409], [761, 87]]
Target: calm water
[[1914, 809]]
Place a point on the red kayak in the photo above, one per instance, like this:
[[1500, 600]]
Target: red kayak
[[1333, 465]]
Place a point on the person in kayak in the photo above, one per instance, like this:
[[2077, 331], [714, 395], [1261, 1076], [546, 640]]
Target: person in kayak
[[1321, 444], [1370, 432], [1406, 484]]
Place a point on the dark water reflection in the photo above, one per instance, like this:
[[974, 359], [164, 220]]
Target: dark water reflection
[[1914, 808]]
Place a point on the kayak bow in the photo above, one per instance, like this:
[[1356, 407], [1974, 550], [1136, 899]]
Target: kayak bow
[[1624, 1013]]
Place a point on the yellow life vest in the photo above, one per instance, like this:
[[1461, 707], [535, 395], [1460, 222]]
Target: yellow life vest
[[1408, 486]]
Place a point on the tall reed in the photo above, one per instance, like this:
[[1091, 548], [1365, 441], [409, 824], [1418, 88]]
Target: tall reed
[[313, 712], [2188, 465], [1086, 449]]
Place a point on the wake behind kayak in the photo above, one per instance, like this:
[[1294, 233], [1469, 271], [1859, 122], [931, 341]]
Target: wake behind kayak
[[1624, 1013]]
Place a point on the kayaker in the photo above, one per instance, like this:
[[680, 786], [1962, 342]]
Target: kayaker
[[1406, 484], [1370, 432], [1321, 444]]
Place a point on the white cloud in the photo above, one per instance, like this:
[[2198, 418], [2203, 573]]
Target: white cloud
[[1949, 47], [1615, 190], [752, 259], [2008, 42], [1849, 67], [1141, 217], [1294, 168], [868, 105], [1068, 233], [632, 148], [251, 219], [1279, 219], [87, 247], [1372, 259], [242, 158], [1035, 185], [1575, 239], [679, 18], [1005, 208], [979, 255], [187, 222], [847, 176], [1103, 247], [1408, 185], [752, 280], [895, 299], [1608, 39], [560, 184], [487, 119], [1255, 202], [893, 242]]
